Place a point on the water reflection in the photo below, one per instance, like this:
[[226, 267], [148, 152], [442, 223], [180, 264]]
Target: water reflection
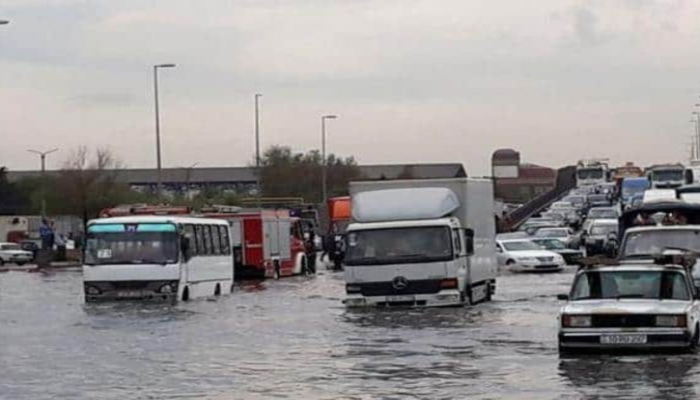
[[633, 376]]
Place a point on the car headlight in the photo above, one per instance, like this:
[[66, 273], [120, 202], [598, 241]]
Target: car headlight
[[678, 321], [353, 289], [559, 259], [576, 321], [92, 290]]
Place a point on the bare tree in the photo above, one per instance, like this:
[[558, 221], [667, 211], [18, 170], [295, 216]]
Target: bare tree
[[89, 183]]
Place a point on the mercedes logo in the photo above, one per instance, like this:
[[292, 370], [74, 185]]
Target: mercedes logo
[[400, 283]]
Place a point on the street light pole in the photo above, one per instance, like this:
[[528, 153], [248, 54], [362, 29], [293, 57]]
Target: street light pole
[[43, 155], [323, 156], [257, 147], [159, 187]]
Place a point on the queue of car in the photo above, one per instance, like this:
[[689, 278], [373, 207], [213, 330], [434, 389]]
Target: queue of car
[[648, 295]]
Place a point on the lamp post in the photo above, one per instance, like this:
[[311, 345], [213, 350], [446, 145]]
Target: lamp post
[[323, 155], [188, 172], [159, 187], [257, 147], [43, 155]]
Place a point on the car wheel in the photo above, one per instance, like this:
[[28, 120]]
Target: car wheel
[[2, 262], [695, 340]]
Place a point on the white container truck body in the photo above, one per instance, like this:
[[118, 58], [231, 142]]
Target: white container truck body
[[421, 243]]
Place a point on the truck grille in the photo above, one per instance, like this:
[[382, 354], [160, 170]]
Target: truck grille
[[623, 320], [387, 288]]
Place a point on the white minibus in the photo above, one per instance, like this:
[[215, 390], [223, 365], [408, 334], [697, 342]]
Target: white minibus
[[157, 258]]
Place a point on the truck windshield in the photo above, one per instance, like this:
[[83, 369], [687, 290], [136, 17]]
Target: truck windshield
[[667, 175], [670, 285], [131, 248], [590, 173], [652, 242], [399, 245]]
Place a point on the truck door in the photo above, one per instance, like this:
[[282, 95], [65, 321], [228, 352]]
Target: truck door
[[237, 243]]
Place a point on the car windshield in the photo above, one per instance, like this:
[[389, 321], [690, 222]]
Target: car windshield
[[630, 191], [667, 175], [121, 247], [10, 247], [520, 245], [603, 230], [589, 173], [669, 285], [552, 233], [398, 245], [550, 244], [602, 213], [650, 242]]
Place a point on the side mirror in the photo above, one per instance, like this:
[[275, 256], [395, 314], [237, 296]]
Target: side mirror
[[469, 241], [185, 247], [563, 297]]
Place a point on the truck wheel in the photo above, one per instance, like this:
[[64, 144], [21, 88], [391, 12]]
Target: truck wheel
[[467, 296], [489, 292]]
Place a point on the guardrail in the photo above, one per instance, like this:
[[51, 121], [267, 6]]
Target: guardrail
[[566, 180]]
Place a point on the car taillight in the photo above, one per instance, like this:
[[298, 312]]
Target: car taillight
[[448, 283]]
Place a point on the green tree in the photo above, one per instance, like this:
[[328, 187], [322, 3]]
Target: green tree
[[288, 174]]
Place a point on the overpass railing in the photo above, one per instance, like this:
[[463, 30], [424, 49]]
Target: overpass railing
[[566, 180]]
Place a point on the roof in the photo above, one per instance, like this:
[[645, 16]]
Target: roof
[[157, 219], [412, 171], [633, 267], [450, 222], [143, 176]]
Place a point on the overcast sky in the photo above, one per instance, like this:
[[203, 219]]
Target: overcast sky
[[411, 80]]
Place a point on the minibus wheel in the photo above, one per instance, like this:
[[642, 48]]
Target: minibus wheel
[[186, 294], [217, 291]]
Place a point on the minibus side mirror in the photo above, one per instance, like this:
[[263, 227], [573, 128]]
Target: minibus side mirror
[[469, 241]]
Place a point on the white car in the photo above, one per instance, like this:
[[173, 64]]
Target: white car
[[524, 255], [630, 306], [13, 253]]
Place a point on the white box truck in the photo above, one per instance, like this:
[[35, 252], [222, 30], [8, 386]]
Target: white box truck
[[421, 243]]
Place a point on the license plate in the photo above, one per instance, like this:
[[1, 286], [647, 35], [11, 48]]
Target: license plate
[[129, 293], [623, 339], [400, 299]]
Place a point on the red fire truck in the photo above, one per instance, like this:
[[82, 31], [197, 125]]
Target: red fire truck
[[266, 243]]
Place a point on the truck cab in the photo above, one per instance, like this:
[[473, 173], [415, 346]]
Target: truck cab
[[420, 246], [668, 176]]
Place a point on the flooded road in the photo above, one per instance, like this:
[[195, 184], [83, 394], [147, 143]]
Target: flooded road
[[294, 339]]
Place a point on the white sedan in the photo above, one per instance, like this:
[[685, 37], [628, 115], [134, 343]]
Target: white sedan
[[524, 255], [13, 253]]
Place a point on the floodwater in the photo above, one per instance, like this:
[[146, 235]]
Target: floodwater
[[293, 339]]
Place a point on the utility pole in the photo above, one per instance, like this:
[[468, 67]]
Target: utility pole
[[258, 187], [324, 183], [159, 186], [42, 155]]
